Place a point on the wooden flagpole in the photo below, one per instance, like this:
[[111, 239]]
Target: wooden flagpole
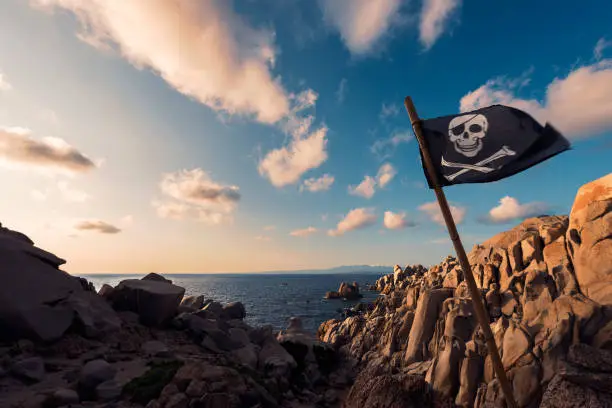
[[479, 308]]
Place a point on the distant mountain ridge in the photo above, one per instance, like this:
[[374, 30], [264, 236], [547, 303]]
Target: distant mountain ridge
[[374, 269]]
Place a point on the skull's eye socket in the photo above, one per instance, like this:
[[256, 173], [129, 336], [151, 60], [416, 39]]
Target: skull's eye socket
[[458, 130], [475, 128]]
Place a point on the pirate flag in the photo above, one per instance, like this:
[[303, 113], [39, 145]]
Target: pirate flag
[[488, 144]]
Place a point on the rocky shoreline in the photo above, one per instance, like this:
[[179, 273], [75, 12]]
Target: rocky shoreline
[[548, 288], [143, 343]]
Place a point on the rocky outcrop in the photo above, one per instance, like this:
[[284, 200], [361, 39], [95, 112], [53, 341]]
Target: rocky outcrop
[[154, 300], [546, 284], [39, 301], [345, 291]]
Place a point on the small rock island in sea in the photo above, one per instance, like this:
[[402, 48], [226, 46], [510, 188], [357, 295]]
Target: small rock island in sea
[[548, 289]]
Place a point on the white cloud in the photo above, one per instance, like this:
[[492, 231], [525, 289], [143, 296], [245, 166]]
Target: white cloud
[[306, 149], [435, 16], [286, 165], [432, 209], [509, 209], [269, 228], [18, 147], [396, 220], [355, 219], [578, 105], [203, 49], [365, 189], [601, 45], [387, 111], [342, 90], [263, 238], [385, 148], [322, 183], [97, 226], [4, 84], [192, 194], [70, 194], [362, 24], [385, 174], [304, 232], [368, 185]]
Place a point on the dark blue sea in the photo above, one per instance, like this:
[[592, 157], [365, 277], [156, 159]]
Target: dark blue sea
[[269, 299]]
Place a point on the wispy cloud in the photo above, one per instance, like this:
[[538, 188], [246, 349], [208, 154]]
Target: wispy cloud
[[304, 232], [601, 45], [432, 209], [395, 221], [17, 146], [342, 90], [322, 183], [509, 209], [355, 219], [579, 104], [269, 228], [362, 24], [434, 19], [263, 238], [4, 84], [385, 148], [367, 187], [192, 194], [388, 111], [97, 226], [202, 49]]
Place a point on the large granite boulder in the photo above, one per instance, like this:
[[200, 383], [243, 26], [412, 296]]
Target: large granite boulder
[[589, 239], [423, 326], [41, 302], [155, 301]]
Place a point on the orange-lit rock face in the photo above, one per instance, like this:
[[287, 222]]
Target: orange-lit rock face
[[589, 239]]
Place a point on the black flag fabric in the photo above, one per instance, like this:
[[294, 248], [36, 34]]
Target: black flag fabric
[[488, 144]]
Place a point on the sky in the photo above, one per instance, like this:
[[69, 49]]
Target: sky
[[254, 135]]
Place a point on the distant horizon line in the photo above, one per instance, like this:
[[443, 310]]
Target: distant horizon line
[[344, 268]]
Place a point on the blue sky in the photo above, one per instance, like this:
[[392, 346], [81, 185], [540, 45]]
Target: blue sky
[[194, 133]]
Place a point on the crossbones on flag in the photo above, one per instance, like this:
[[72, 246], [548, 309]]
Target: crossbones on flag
[[488, 144]]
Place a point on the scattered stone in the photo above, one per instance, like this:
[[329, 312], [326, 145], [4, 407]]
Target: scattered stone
[[65, 396], [156, 348], [193, 302], [108, 390], [95, 372], [234, 310], [30, 369]]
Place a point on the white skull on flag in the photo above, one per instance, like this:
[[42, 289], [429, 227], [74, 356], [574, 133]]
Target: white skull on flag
[[467, 132]]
